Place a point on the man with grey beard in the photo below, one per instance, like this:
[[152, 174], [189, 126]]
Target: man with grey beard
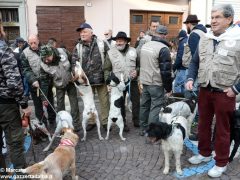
[[122, 60]]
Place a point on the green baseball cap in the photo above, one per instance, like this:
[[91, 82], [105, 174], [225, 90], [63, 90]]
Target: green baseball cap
[[45, 51]]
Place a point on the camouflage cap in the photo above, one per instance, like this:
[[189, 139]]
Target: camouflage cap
[[45, 51]]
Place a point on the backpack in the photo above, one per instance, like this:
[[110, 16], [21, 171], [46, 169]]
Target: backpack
[[187, 56]]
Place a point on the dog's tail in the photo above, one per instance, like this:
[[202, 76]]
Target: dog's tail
[[35, 169]]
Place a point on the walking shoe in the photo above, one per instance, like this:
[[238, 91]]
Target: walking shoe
[[142, 132], [197, 159], [126, 128], [136, 124], [216, 171], [90, 127]]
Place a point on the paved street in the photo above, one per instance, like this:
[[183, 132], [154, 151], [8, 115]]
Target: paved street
[[133, 159]]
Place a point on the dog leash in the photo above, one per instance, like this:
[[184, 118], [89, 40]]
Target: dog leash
[[47, 100]]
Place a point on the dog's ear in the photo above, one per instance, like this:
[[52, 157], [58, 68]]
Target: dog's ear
[[167, 110], [64, 130]]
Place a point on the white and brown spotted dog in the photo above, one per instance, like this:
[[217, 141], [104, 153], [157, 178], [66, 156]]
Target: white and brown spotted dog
[[63, 120], [172, 136], [117, 101], [58, 163], [89, 111]]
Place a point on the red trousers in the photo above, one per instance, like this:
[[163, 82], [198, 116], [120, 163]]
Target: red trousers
[[222, 106]]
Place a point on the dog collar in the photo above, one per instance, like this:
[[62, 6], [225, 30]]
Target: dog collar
[[66, 142]]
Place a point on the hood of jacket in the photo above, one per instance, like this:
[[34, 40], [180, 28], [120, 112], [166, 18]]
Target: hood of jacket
[[159, 39], [200, 27]]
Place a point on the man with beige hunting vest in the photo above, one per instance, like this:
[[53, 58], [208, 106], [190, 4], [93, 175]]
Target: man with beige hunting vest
[[123, 61], [56, 67], [155, 76], [30, 59], [216, 64], [91, 53]]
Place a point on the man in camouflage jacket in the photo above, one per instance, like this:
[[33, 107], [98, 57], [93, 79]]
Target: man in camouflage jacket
[[11, 96]]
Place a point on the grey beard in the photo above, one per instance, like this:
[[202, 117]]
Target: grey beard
[[120, 48]]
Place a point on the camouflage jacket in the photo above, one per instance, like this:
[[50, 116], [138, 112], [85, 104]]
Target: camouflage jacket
[[11, 85], [91, 57]]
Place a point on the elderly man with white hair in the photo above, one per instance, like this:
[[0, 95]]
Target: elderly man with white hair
[[216, 64], [91, 53]]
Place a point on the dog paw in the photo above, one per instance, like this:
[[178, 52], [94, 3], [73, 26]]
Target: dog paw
[[101, 138], [106, 138], [165, 171], [83, 139], [123, 139]]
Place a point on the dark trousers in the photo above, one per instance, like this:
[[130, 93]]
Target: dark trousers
[[10, 122], [72, 95], [222, 106], [150, 105], [135, 99], [37, 101]]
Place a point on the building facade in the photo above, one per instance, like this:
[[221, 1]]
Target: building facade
[[60, 18]]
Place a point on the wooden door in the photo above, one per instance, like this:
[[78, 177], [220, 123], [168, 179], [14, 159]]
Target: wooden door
[[59, 23], [140, 20]]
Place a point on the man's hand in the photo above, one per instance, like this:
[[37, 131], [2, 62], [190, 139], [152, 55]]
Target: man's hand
[[35, 84], [229, 92], [27, 111], [75, 77], [169, 94], [189, 85], [133, 74], [45, 103], [109, 88]]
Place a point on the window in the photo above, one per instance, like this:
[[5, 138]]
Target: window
[[156, 18], [137, 19], [9, 15], [173, 20]]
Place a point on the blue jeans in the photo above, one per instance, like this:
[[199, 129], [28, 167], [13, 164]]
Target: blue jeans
[[179, 83], [150, 105]]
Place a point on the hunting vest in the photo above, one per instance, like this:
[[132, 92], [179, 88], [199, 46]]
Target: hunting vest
[[34, 61], [60, 73], [220, 68], [149, 69], [123, 63], [187, 56]]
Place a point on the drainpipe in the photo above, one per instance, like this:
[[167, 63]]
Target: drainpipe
[[189, 6]]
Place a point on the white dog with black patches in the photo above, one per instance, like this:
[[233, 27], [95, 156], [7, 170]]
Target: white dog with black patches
[[63, 120], [117, 101], [187, 109], [172, 136], [86, 93]]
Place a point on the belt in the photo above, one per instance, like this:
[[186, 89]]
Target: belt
[[213, 89]]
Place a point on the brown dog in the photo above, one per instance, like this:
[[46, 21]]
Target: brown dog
[[56, 164]]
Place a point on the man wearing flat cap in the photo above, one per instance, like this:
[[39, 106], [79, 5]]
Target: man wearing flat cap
[[56, 67], [91, 53], [122, 60], [155, 77]]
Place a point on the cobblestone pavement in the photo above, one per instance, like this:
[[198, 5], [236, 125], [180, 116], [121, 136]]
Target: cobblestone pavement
[[133, 159]]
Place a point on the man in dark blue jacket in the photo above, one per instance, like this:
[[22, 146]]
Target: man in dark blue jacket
[[181, 70]]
